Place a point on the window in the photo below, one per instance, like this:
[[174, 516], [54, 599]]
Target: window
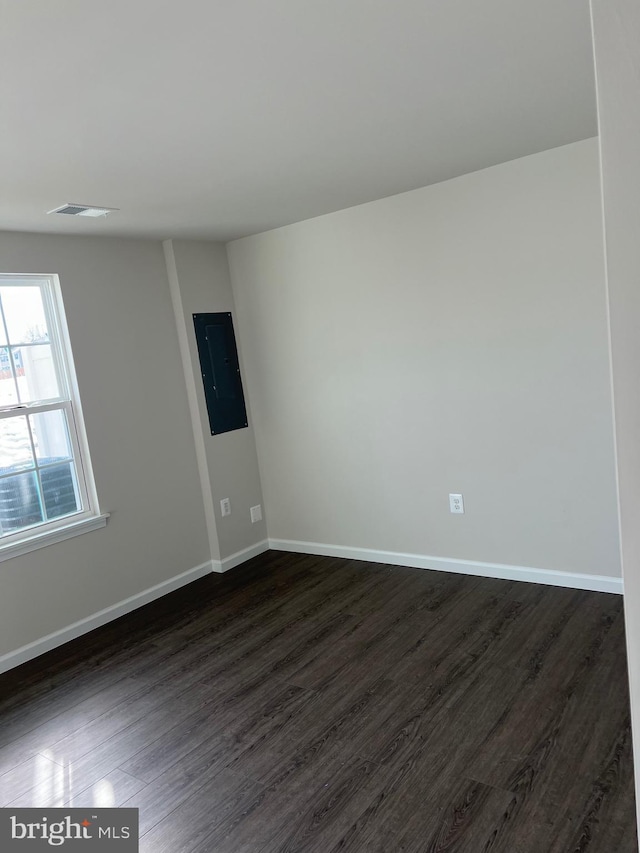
[[46, 486]]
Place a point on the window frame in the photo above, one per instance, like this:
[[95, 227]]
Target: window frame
[[89, 516]]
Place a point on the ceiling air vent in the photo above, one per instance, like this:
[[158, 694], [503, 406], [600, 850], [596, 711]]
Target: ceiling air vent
[[83, 210]]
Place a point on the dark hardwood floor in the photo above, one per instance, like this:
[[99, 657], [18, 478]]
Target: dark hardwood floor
[[314, 704]]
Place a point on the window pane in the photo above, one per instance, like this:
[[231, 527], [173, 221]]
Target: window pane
[[36, 373], [24, 313], [59, 490], [43, 477], [50, 436], [19, 504], [8, 390], [15, 446]]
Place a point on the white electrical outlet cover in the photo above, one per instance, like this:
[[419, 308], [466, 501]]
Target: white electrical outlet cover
[[256, 513], [456, 504]]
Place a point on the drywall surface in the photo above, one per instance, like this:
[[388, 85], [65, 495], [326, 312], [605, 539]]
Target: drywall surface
[[616, 26], [125, 347], [228, 463], [449, 339]]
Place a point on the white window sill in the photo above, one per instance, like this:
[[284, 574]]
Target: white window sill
[[41, 539]]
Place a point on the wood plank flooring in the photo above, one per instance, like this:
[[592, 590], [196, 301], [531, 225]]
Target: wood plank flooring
[[312, 704]]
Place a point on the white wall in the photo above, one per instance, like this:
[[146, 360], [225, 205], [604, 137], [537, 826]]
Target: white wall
[[228, 464], [132, 387], [617, 51], [450, 339]]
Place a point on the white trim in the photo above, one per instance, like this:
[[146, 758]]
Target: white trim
[[71, 632], [240, 556], [68, 400], [17, 409], [574, 580], [39, 538]]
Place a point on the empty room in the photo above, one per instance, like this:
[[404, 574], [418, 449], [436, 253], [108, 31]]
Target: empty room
[[319, 418]]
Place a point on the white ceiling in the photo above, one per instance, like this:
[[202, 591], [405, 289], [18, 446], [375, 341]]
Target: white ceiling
[[220, 118]]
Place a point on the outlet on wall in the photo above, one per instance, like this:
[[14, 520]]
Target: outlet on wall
[[256, 513], [225, 506], [456, 504]]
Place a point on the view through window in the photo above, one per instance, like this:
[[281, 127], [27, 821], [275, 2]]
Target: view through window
[[43, 475]]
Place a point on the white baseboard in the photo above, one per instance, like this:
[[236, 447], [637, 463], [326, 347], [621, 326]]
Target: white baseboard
[[71, 632], [96, 620], [240, 557], [596, 583]]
